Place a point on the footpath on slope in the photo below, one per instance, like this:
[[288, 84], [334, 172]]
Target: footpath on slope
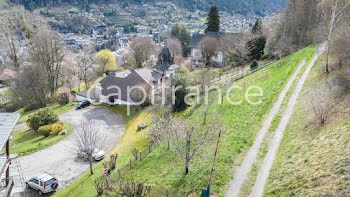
[[248, 161], [258, 189]]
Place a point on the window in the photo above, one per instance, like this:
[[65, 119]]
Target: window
[[196, 53], [49, 182], [36, 181], [41, 183]]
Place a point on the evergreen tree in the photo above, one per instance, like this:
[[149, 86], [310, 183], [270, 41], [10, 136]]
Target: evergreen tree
[[257, 28], [181, 33], [213, 20], [256, 47]]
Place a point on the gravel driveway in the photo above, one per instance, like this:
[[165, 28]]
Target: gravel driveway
[[60, 159]]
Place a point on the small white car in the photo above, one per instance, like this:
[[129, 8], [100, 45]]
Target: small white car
[[43, 183], [97, 155]]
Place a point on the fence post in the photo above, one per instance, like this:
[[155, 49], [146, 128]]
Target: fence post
[[130, 164]]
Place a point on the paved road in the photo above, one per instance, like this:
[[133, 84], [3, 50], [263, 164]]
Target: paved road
[[60, 159], [248, 161], [264, 171]]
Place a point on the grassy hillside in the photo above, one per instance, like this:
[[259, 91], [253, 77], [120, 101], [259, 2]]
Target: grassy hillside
[[313, 159], [241, 123], [163, 170]]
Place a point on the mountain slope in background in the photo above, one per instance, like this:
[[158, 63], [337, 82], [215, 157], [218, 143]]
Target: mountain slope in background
[[243, 7]]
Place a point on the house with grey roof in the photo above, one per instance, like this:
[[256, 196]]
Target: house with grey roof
[[196, 52], [117, 88]]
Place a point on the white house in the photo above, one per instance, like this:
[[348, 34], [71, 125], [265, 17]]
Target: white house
[[196, 54]]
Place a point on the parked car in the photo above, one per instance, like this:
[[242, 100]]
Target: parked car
[[43, 183], [97, 154], [83, 104]]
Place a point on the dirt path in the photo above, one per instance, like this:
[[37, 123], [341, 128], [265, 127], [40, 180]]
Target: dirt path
[[248, 161], [61, 159], [264, 171]]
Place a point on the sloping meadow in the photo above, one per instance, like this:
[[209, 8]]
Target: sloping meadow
[[164, 170]]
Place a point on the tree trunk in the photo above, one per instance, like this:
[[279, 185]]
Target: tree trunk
[[332, 24], [186, 167], [90, 162], [327, 58], [188, 149]]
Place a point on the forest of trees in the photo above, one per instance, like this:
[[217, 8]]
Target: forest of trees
[[244, 7]]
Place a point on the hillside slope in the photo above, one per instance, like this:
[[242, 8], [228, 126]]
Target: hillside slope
[[244, 7], [314, 158], [163, 170]]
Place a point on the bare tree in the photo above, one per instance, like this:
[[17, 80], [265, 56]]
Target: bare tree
[[129, 188], [209, 46], [336, 16], [187, 139], [30, 87], [174, 46], [19, 25], [46, 51], [340, 47], [143, 48], [70, 72], [129, 60], [160, 129], [235, 48], [86, 68], [12, 41], [88, 138]]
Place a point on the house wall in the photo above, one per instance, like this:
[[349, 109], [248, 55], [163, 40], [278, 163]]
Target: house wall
[[196, 53], [219, 57]]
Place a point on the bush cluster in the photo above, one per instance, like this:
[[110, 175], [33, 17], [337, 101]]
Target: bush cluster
[[52, 129], [45, 130], [254, 65], [42, 118]]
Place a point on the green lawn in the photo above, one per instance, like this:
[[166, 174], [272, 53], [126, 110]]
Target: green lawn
[[313, 160], [163, 170], [29, 141], [56, 108]]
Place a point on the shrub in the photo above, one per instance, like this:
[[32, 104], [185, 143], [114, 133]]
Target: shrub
[[42, 118], [63, 98], [57, 128], [180, 95], [320, 104], [135, 152], [99, 185], [254, 65], [45, 130], [113, 161], [184, 69]]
